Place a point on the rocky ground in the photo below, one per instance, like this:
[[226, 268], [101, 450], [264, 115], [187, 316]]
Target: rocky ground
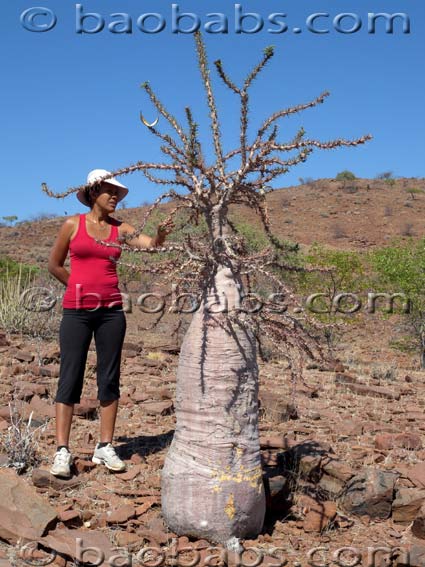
[[342, 453]]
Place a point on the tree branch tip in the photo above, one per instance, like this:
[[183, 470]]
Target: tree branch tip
[[269, 51]]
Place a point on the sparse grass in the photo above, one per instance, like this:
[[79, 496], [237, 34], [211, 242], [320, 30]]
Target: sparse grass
[[153, 355], [383, 372], [26, 303], [20, 441], [404, 344]]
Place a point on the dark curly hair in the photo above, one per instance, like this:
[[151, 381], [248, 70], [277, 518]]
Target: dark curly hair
[[91, 193]]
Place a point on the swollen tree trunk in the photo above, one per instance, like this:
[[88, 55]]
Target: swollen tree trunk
[[212, 479]]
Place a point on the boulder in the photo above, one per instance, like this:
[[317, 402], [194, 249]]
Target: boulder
[[407, 504], [418, 526], [369, 493], [23, 513], [85, 546]]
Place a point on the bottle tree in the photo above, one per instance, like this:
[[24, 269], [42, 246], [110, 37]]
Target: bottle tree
[[212, 483]]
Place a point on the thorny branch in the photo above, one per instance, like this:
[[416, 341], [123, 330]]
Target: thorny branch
[[209, 191]]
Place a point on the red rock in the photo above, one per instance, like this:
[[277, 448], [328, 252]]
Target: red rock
[[50, 370], [129, 540], [337, 469], [87, 407], [407, 504], [318, 520], [158, 408], [417, 475], [132, 346], [69, 515], [83, 465], [412, 556], [120, 515], [22, 355], [139, 397], [140, 510], [3, 340], [41, 408], [43, 479], [364, 390], [29, 390], [345, 378], [410, 441], [5, 413], [369, 493], [17, 369], [65, 541], [137, 459], [275, 408], [29, 521], [350, 427], [418, 526], [126, 400], [388, 441], [276, 442], [131, 473]]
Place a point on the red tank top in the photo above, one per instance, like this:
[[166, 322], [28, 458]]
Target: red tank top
[[93, 280]]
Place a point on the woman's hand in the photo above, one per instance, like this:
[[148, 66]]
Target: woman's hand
[[163, 230], [145, 241]]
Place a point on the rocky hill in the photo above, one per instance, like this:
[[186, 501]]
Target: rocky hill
[[343, 450]]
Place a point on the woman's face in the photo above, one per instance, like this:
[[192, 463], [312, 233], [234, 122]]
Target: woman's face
[[106, 196]]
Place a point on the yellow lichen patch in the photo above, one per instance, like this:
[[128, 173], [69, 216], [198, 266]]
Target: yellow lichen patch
[[253, 477], [230, 507], [239, 452]]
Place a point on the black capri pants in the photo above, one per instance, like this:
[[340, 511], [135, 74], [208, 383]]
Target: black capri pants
[[76, 330]]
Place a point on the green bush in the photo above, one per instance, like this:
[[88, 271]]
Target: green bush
[[345, 176], [10, 268], [400, 268]]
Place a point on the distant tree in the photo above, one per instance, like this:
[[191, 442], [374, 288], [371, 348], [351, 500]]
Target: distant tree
[[384, 175], [306, 180], [345, 273], [10, 219], [413, 191]]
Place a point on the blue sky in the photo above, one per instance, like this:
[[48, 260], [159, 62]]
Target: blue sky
[[71, 102]]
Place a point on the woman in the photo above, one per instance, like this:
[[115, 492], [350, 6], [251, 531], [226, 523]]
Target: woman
[[92, 304]]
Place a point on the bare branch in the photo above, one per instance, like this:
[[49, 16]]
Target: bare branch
[[205, 73], [160, 107]]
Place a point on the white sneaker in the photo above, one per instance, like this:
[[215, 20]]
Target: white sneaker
[[107, 456], [62, 463]]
